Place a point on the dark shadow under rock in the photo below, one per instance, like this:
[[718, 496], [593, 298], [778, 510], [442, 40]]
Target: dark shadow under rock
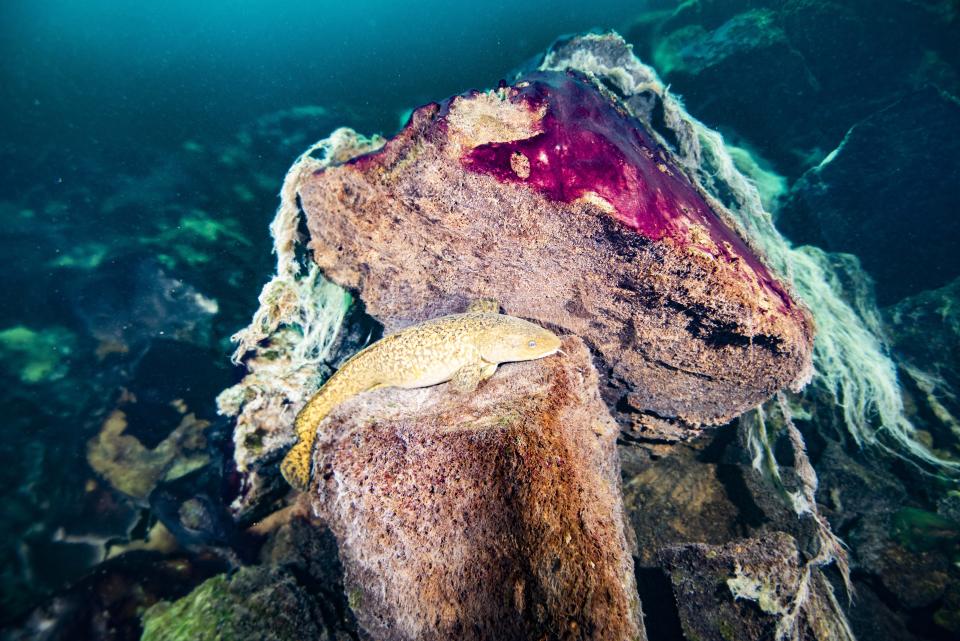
[[676, 499]]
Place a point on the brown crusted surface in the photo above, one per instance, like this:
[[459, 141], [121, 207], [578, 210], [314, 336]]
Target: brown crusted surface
[[743, 590], [678, 334], [496, 515]]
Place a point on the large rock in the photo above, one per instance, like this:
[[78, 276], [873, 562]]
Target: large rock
[[550, 198], [492, 516]]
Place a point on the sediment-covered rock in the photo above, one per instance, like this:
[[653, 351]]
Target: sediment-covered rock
[[549, 197], [496, 515], [751, 589]]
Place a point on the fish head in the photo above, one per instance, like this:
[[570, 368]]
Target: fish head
[[514, 339]]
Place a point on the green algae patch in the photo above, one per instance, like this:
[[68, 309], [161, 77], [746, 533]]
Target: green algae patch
[[200, 224], [206, 614], [36, 356], [921, 531], [264, 603], [196, 239], [82, 257]]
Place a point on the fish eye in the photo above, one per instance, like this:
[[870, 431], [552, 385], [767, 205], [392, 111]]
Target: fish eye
[[532, 344]]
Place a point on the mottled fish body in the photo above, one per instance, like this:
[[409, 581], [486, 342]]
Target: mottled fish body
[[463, 349]]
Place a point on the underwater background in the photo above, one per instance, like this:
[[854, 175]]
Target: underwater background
[[142, 148]]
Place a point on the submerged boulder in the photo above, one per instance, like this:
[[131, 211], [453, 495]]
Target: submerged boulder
[[495, 515], [743, 72], [888, 195], [551, 198], [751, 589], [924, 331], [498, 514]]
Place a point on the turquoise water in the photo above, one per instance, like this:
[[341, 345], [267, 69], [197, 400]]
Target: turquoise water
[[142, 148], [99, 72]]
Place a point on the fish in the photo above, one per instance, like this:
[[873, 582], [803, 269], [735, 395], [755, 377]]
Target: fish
[[462, 349]]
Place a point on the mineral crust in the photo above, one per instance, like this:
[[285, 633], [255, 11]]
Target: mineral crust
[[551, 198], [495, 515]]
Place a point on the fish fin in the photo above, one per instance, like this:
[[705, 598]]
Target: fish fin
[[466, 379], [488, 370], [486, 305]]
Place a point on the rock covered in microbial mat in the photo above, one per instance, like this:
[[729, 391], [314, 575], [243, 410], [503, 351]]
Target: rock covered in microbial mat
[[495, 515], [551, 198], [751, 589]]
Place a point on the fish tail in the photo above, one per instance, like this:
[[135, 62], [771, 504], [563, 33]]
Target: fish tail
[[296, 465]]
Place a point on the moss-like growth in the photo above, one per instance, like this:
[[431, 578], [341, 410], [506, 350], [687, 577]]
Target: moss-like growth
[[255, 603], [206, 614], [254, 441], [727, 631], [921, 531], [355, 599], [948, 616]]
